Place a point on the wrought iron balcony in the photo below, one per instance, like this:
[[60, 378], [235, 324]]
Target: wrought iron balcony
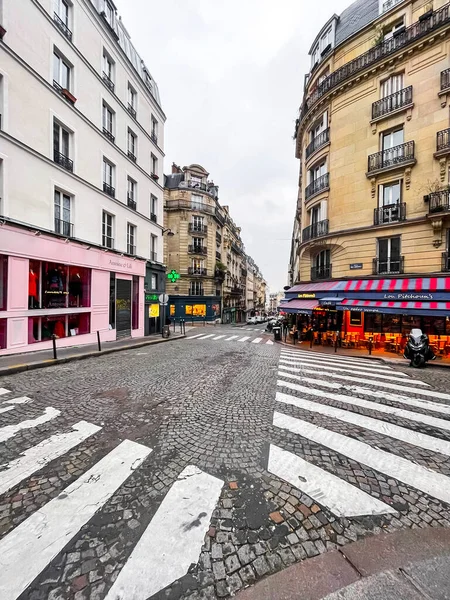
[[63, 160], [235, 248], [320, 140], [131, 249], [153, 217], [392, 157], [194, 249], [64, 228], [315, 230], [388, 266], [218, 256], [237, 291], [108, 81], [131, 155], [391, 213], [445, 80], [322, 272], [131, 110], [62, 26], [220, 218], [154, 137], [108, 134], [443, 141], [439, 201], [198, 229], [391, 103], [318, 185], [445, 262], [197, 271], [131, 202], [108, 189], [189, 205]]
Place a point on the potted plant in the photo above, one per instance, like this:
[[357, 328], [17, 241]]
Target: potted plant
[[154, 176], [68, 96]]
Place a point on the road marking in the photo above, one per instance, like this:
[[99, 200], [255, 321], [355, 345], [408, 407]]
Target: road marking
[[21, 400], [244, 339], [399, 468], [420, 440], [218, 337], [376, 406], [257, 340], [5, 409], [342, 498], [173, 539], [338, 364], [192, 337], [4, 391], [40, 455], [329, 372], [10, 430], [269, 342], [231, 338], [335, 357], [419, 403], [204, 337]]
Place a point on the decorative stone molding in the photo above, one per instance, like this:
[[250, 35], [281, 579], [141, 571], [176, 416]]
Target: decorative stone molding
[[408, 178], [442, 168], [436, 223], [373, 183]]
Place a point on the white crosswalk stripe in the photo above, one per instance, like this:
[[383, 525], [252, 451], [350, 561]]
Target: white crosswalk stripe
[[218, 337], [193, 337], [335, 357], [4, 409], [256, 340], [204, 337], [233, 337], [173, 539], [4, 391], [244, 339], [21, 400], [10, 430], [341, 364]]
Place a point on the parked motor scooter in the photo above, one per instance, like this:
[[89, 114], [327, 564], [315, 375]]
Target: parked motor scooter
[[417, 349]]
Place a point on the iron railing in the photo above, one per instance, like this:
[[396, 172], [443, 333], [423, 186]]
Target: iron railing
[[218, 237], [439, 201], [218, 256], [108, 189], [153, 217], [63, 160], [322, 272], [131, 110], [235, 248], [62, 26], [439, 18], [315, 230], [194, 228], [220, 218], [237, 291], [194, 249], [443, 140], [391, 157], [154, 137], [445, 80], [63, 228], [197, 271], [108, 134], [388, 266], [393, 102], [319, 141], [445, 262], [131, 202], [391, 213], [108, 81], [189, 205], [318, 185], [132, 156]]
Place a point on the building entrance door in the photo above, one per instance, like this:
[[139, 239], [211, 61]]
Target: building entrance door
[[123, 308]]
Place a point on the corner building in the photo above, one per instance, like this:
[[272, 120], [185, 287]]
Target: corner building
[[373, 139], [81, 152]]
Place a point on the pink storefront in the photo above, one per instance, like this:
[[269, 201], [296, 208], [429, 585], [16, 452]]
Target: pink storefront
[[55, 287]]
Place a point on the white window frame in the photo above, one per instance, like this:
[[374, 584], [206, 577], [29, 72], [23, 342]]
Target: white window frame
[[108, 225], [132, 142], [395, 26], [132, 97], [108, 172], [154, 160], [131, 188], [392, 84], [108, 9], [60, 210], [153, 204], [108, 118], [388, 136], [389, 258], [389, 186], [108, 65], [62, 9], [131, 238], [153, 282], [57, 69], [66, 152]]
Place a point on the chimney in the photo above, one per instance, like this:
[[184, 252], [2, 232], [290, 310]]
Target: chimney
[[175, 169]]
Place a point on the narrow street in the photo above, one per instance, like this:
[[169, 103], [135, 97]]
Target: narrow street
[[191, 470]]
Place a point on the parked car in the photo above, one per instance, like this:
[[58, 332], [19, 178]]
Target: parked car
[[251, 320], [259, 319]]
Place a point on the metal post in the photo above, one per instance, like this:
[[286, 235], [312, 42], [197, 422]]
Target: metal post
[[312, 338], [54, 347], [336, 341], [174, 323], [163, 320], [98, 341], [370, 346], [204, 322]]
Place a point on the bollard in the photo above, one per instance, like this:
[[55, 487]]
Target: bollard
[[98, 341], [174, 321], [335, 343], [370, 346], [312, 339], [54, 347], [204, 322]]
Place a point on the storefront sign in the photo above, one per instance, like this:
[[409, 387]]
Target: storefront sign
[[172, 310], [408, 296], [153, 310], [199, 310], [355, 266], [173, 276], [120, 263], [306, 295], [188, 309], [151, 297]]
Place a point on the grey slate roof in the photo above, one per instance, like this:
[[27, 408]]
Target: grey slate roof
[[171, 182], [355, 17]]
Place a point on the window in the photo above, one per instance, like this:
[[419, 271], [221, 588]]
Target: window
[[153, 247], [108, 122], [132, 100], [392, 139], [197, 243], [109, 12], [3, 281], [132, 145], [154, 165], [154, 133], [391, 85], [315, 56], [326, 39], [319, 126], [153, 208], [62, 202], [54, 285], [196, 202], [315, 215], [61, 9], [197, 223], [61, 146], [131, 239], [389, 193], [198, 266], [389, 208], [108, 70], [42, 329], [389, 260], [196, 180], [131, 192], [322, 265], [317, 171], [108, 178], [107, 230], [61, 71], [154, 282], [196, 288], [391, 30]]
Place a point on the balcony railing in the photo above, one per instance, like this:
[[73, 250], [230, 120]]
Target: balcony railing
[[237, 291], [62, 26], [392, 103], [445, 262], [218, 256], [445, 80], [322, 272], [64, 228], [318, 185], [439, 18], [201, 229], [132, 156], [439, 201], [153, 217], [197, 271], [235, 248], [187, 205], [131, 249], [320, 140], [443, 140], [65, 93], [389, 266], [108, 189], [392, 157], [315, 230], [390, 4], [131, 110], [196, 292], [63, 160], [194, 249], [131, 202], [220, 218], [108, 81], [154, 137], [108, 134], [218, 237], [391, 213]]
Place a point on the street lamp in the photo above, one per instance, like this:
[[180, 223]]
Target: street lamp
[[169, 232]]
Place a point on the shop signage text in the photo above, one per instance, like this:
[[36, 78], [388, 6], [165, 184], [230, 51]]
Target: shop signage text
[[312, 296], [121, 264], [408, 296], [355, 266], [151, 297]]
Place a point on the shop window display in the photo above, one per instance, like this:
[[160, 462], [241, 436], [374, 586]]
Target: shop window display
[[52, 285], [42, 329], [3, 281], [135, 309]]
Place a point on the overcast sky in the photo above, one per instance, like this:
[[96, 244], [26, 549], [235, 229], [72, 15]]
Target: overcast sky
[[230, 76]]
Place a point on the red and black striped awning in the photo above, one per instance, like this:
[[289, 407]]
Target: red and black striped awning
[[412, 308]]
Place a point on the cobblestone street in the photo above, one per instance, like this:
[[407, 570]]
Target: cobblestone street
[[191, 470]]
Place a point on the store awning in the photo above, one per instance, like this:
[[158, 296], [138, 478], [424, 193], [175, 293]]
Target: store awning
[[299, 306], [331, 300], [417, 284], [401, 308]]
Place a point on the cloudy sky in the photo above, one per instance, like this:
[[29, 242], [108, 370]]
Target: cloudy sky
[[230, 76]]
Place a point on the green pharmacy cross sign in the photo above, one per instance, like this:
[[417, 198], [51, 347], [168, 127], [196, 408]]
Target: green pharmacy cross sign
[[173, 276]]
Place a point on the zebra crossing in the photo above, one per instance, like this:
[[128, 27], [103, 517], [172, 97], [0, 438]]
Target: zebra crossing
[[317, 391], [168, 546], [232, 338]]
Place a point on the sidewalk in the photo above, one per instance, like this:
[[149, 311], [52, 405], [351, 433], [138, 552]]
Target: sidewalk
[[15, 363], [406, 565]]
